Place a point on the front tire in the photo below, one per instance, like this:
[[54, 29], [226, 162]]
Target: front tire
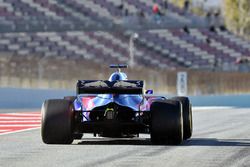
[[166, 122], [57, 124]]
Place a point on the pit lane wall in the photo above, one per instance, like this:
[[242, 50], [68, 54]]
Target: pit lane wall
[[13, 98]]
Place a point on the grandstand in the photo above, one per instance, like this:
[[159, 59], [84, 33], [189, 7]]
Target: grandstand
[[60, 28]]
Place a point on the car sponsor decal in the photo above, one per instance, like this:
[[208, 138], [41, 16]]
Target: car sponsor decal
[[87, 103]]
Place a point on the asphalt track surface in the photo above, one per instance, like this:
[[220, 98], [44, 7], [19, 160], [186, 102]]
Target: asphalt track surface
[[221, 138]]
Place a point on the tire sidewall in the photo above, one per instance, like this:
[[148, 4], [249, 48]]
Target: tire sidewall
[[166, 122], [187, 116], [57, 123]]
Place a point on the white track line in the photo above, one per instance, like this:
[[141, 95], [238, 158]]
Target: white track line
[[23, 130], [22, 121], [212, 108], [21, 118], [23, 114], [20, 125]]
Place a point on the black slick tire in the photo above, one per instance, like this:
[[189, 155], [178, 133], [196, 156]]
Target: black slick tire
[[187, 116], [56, 123], [70, 98], [78, 136], [166, 122]]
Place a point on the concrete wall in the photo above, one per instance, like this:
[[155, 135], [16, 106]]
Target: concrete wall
[[33, 98], [34, 72], [28, 98]]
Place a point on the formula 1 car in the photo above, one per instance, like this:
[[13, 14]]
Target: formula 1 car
[[117, 107]]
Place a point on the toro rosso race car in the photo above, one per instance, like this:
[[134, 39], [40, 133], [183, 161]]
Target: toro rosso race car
[[116, 107]]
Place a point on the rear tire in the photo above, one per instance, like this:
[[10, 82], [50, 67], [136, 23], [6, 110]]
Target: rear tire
[[57, 124], [187, 116], [166, 122], [70, 98], [78, 136]]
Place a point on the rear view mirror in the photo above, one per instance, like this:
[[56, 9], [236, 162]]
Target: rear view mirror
[[149, 92]]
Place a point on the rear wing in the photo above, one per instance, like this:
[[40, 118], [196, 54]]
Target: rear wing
[[109, 87], [118, 66]]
